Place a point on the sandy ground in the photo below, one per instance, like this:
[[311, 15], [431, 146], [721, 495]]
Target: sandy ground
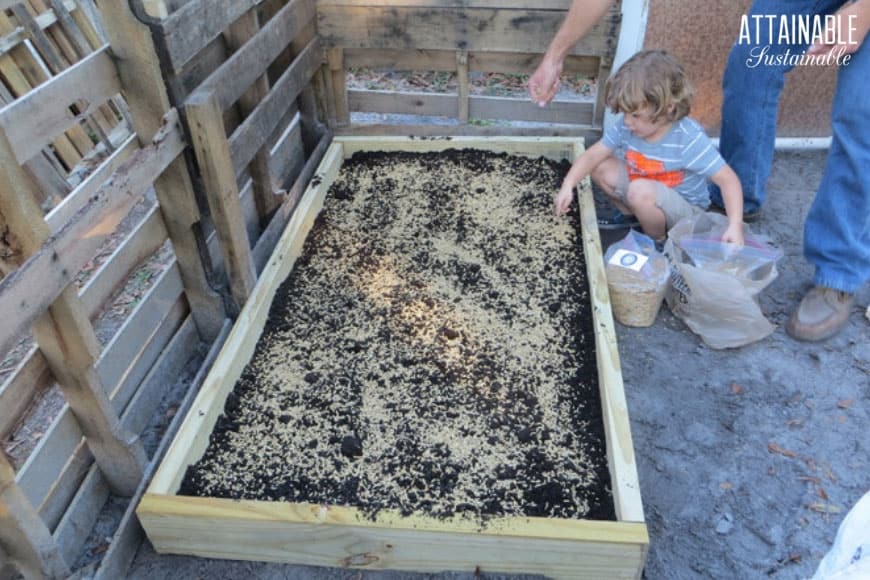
[[748, 458]]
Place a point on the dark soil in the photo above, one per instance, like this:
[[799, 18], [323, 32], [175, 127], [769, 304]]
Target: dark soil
[[431, 352]]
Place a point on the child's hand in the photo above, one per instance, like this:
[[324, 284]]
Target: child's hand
[[563, 200], [734, 234]]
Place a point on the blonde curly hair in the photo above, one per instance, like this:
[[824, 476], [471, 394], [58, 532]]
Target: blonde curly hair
[[651, 78]]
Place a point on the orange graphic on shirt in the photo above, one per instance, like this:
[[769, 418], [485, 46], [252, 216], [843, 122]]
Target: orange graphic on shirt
[[642, 167]]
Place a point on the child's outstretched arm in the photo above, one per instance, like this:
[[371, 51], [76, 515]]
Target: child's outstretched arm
[[583, 166], [732, 195]]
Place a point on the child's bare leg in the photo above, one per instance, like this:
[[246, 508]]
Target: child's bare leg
[[607, 176], [641, 198]]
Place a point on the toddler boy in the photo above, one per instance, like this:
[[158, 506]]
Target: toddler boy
[[654, 162]]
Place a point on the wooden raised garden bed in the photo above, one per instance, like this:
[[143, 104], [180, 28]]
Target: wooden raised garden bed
[[373, 536]]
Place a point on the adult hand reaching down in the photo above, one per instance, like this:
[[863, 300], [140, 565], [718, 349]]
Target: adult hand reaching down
[[583, 15]]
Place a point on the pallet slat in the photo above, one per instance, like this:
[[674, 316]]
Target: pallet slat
[[162, 374], [84, 509], [52, 268], [287, 156], [264, 198], [74, 527], [142, 337], [208, 136], [502, 108], [46, 461], [51, 459], [270, 236], [48, 51], [445, 60], [65, 487], [145, 239], [147, 94], [250, 62], [47, 175], [31, 546], [32, 376], [33, 121], [253, 133], [19, 35], [17, 392], [64, 333], [22, 69], [79, 197], [435, 131], [473, 29], [427, 104], [190, 29], [126, 540], [447, 105], [464, 81], [69, 27]]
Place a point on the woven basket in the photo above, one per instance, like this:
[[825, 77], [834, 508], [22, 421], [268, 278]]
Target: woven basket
[[635, 300], [634, 306]]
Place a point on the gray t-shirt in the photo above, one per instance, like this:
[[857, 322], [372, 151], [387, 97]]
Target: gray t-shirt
[[683, 159]]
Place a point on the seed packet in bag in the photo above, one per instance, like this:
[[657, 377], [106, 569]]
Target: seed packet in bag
[[637, 277]]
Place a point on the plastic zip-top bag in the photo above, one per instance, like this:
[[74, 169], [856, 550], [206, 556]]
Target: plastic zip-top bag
[[752, 262], [849, 557], [637, 277], [715, 284]]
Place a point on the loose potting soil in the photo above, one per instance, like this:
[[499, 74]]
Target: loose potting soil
[[431, 352]]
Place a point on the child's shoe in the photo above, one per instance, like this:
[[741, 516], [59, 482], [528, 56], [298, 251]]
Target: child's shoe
[[617, 220], [749, 217]]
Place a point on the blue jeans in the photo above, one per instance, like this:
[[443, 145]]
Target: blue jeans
[[837, 230]]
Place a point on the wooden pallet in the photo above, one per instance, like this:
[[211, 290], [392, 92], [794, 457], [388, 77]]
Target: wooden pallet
[[342, 536]]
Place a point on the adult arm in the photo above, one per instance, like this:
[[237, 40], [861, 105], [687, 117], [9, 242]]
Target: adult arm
[[581, 17], [583, 166], [855, 14]]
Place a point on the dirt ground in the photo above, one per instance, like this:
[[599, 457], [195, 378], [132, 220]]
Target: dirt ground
[[748, 459]]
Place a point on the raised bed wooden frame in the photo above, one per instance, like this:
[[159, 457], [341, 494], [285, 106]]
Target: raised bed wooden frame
[[341, 536]]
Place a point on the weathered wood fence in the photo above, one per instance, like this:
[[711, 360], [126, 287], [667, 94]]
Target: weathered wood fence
[[63, 117], [461, 37], [66, 147], [212, 115]]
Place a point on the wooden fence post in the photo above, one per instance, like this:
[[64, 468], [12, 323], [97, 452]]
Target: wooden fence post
[[312, 100], [145, 91], [266, 200], [463, 82], [67, 339], [14, 65], [335, 58], [27, 540], [209, 136], [604, 66]]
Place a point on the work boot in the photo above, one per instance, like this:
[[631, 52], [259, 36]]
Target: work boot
[[822, 313]]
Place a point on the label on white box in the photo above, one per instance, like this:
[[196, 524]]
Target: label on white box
[[628, 259]]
